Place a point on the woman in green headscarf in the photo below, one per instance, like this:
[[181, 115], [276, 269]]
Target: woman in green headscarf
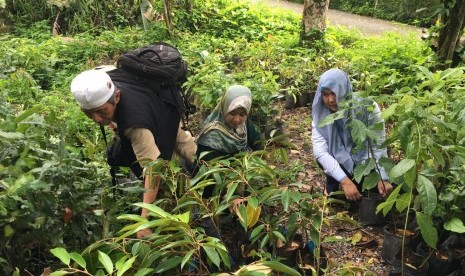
[[228, 129]]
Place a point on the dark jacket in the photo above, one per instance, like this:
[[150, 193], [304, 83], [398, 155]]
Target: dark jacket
[[145, 104]]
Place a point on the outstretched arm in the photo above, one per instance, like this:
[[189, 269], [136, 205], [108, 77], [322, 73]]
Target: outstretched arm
[[331, 167], [145, 148]]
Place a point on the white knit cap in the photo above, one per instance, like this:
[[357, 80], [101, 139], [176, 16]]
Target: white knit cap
[[92, 88]]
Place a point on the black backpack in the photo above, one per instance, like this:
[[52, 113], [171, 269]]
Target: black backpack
[[159, 63], [163, 63]]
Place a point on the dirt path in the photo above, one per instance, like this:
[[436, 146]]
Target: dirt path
[[366, 25]]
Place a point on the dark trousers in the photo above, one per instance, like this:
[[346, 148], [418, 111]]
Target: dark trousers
[[332, 184]]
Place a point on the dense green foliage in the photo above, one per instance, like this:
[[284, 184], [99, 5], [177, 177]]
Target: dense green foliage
[[51, 155], [420, 13]]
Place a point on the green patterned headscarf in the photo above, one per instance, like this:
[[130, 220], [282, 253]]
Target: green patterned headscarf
[[215, 133]]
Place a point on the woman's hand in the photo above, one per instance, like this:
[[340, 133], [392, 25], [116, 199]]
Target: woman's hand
[[384, 188], [350, 190]]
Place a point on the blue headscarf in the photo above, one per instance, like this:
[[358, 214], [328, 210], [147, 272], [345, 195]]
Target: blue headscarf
[[337, 136]]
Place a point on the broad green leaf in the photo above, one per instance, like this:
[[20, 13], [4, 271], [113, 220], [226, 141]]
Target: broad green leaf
[[241, 213], [359, 131], [186, 258], [136, 248], [78, 259], [403, 201], [27, 113], [11, 135], [184, 217], [279, 235], [168, 264], [212, 255], [425, 72], [131, 217], [100, 273], [154, 209], [257, 231], [178, 243], [61, 254], [387, 205], [149, 261], [199, 176], [106, 261], [283, 155], [428, 232], [296, 196], [388, 112], [268, 193], [402, 167], [185, 204], [437, 156], [370, 181], [428, 195], [331, 118], [455, 225], [264, 241], [129, 229], [410, 177], [224, 257], [143, 271], [231, 191], [120, 262], [286, 199], [253, 202], [281, 268], [126, 266]]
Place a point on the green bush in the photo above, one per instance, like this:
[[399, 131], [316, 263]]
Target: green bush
[[52, 155], [420, 13]]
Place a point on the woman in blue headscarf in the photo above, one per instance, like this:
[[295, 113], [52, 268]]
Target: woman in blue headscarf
[[333, 146], [228, 129]]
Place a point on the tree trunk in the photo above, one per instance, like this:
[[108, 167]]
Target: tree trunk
[[314, 20], [168, 15], [452, 29]]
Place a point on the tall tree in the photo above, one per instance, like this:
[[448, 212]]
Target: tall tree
[[453, 22], [314, 20], [168, 14]]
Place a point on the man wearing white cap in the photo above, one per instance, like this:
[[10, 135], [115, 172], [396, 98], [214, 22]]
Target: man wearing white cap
[[144, 114]]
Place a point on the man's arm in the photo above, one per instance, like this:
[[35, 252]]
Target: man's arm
[[145, 149]]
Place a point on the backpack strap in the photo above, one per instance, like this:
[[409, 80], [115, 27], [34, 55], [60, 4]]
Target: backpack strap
[[112, 168], [188, 109]]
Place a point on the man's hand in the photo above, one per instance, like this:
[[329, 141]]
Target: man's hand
[[233, 204], [144, 233], [350, 190], [386, 189]]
